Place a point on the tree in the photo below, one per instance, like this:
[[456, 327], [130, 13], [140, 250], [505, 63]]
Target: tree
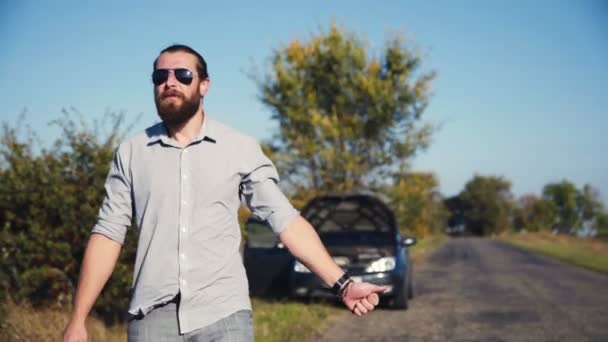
[[589, 203], [533, 213], [346, 117], [486, 202], [565, 198], [417, 203], [601, 224]]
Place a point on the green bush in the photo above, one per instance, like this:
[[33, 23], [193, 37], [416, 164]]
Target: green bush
[[49, 201], [43, 284]]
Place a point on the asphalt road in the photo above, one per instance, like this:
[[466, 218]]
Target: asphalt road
[[475, 289]]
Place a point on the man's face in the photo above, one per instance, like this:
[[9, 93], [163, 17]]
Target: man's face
[[177, 102]]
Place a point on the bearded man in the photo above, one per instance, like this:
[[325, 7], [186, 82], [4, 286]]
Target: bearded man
[[182, 181]]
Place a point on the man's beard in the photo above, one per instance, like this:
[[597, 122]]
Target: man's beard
[[174, 114]]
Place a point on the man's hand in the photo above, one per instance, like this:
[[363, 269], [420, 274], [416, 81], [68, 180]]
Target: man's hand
[[362, 298], [75, 332], [99, 260], [304, 243]]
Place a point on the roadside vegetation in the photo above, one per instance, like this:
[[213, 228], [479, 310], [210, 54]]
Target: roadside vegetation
[[273, 321], [486, 207], [584, 252], [24, 322], [291, 320], [564, 221]]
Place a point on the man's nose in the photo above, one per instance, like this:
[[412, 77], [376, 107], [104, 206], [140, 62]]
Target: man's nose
[[171, 80]]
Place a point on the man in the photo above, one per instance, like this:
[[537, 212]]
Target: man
[[182, 181]]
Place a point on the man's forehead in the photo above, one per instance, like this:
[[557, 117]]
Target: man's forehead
[[176, 59]]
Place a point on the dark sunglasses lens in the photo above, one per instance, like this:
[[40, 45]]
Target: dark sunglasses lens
[[184, 76], [160, 76]]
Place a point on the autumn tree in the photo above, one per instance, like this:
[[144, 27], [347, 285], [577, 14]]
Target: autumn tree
[[347, 116], [417, 203]]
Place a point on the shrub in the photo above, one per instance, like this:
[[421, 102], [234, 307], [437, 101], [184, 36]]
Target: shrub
[[49, 200]]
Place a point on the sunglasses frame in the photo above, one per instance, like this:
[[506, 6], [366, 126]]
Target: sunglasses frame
[[183, 75]]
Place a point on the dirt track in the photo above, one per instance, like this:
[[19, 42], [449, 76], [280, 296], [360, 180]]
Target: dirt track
[[481, 290]]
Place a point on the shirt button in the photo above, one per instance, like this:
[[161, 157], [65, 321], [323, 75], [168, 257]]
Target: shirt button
[[183, 229], [184, 202], [185, 176], [183, 282], [183, 256]]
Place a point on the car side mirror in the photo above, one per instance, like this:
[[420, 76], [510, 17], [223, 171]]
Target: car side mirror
[[409, 241]]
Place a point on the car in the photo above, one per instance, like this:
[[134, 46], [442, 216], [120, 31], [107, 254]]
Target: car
[[361, 234]]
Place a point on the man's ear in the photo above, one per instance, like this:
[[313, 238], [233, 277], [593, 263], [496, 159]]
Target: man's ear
[[203, 87]]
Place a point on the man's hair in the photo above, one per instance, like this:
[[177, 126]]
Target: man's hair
[[201, 65]]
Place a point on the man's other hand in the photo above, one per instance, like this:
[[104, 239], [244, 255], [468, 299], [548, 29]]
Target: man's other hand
[[75, 332], [362, 298]]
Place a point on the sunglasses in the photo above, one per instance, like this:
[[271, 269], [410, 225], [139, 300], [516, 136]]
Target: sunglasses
[[184, 76]]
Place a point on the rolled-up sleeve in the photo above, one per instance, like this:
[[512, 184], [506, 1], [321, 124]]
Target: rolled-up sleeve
[[260, 190], [116, 210]]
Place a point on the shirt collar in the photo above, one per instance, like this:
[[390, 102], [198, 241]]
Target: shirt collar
[[159, 132]]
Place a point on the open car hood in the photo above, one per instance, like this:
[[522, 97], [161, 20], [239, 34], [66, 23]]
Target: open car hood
[[349, 213]]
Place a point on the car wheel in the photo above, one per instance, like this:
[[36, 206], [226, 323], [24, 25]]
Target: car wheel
[[410, 290], [400, 301]]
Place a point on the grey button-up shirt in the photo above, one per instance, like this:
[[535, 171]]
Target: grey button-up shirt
[[184, 201]]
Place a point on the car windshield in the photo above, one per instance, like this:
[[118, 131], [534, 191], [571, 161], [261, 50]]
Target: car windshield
[[259, 235]]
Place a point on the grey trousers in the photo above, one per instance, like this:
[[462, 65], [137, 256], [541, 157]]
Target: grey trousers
[[161, 325]]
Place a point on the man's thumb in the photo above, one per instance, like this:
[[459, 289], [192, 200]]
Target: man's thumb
[[379, 289]]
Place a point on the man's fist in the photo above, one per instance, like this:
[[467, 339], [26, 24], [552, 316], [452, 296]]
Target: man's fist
[[362, 298]]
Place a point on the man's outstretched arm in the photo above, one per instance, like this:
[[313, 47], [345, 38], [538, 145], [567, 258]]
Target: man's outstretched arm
[[304, 243], [99, 261]]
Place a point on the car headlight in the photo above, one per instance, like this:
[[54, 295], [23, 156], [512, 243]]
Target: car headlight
[[381, 265], [299, 267]]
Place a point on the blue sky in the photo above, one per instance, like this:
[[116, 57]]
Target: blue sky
[[521, 89]]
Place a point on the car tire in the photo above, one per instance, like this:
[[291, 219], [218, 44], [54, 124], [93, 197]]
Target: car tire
[[410, 290], [400, 301]]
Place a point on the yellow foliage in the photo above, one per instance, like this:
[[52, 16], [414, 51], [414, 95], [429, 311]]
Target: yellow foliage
[[335, 104], [417, 204], [295, 52]]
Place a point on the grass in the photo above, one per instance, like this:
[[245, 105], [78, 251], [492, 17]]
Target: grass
[[291, 321], [585, 252], [24, 323], [273, 320], [425, 246]]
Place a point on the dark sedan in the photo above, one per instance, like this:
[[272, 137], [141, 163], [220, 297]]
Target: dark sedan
[[360, 233]]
